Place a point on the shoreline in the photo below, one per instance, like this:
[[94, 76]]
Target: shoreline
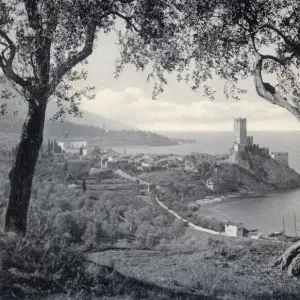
[[253, 194], [215, 199]]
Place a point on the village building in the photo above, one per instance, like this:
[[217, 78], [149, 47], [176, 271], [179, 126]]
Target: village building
[[100, 173], [122, 162], [103, 161], [62, 146], [77, 144], [146, 165], [74, 147], [234, 229], [210, 184], [112, 164]]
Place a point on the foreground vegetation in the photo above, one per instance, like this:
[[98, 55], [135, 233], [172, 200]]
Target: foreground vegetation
[[139, 252], [180, 191]]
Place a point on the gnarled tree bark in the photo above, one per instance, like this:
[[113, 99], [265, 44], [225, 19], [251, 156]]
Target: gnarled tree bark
[[21, 174], [268, 92]]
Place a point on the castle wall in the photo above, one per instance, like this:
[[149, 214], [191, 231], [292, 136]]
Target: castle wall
[[281, 157], [249, 140], [265, 150], [238, 147]]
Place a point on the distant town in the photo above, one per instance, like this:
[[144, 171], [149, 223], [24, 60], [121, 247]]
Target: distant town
[[78, 149]]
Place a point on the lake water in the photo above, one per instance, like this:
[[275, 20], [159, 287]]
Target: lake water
[[264, 213]]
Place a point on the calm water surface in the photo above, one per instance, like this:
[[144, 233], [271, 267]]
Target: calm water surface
[[264, 213]]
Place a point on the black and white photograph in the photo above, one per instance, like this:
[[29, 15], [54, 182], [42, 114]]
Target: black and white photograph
[[150, 149]]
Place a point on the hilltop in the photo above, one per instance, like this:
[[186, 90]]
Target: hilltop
[[245, 172], [100, 135], [18, 105]]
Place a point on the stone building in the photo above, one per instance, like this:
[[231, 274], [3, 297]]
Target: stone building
[[281, 157], [249, 140], [234, 229], [240, 131], [241, 140], [74, 146]]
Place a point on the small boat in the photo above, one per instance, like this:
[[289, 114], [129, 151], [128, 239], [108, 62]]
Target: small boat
[[276, 233]]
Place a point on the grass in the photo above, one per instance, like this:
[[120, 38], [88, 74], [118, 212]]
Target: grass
[[216, 270]]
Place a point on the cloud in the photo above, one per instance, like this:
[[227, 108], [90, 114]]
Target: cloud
[[133, 107]]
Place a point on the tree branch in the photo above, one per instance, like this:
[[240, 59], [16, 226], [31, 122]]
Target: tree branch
[[73, 60], [7, 64], [32, 14], [283, 36], [126, 19], [126, 1], [268, 56], [268, 92]]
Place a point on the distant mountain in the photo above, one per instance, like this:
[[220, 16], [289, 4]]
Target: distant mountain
[[92, 119], [106, 132], [57, 129], [95, 135], [99, 136]]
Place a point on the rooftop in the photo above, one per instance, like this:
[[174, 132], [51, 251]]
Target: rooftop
[[233, 223]]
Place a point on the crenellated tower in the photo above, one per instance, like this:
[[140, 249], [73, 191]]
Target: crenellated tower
[[240, 131]]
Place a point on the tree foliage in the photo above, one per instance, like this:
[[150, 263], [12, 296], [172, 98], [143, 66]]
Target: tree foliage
[[232, 40], [42, 42], [41, 45]]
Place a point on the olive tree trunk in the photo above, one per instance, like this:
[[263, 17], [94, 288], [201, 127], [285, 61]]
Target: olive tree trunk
[[21, 174]]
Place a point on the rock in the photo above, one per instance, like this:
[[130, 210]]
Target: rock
[[245, 172], [290, 260], [294, 267]]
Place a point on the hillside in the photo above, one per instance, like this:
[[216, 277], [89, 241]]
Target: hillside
[[95, 135], [249, 172], [89, 119]]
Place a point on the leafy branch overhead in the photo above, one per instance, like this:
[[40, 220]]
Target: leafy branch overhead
[[43, 42], [231, 39]]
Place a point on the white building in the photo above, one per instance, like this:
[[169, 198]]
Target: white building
[[62, 146], [73, 146], [210, 184], [234, 229], [77, 144]]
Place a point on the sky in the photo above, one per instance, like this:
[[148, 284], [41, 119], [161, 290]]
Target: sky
[[128, 100]]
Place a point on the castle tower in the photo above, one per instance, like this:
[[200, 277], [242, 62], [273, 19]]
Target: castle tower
[[240, 131], [281, 157]]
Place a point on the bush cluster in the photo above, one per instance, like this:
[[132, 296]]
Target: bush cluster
[[174, 198], [115, 217]]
